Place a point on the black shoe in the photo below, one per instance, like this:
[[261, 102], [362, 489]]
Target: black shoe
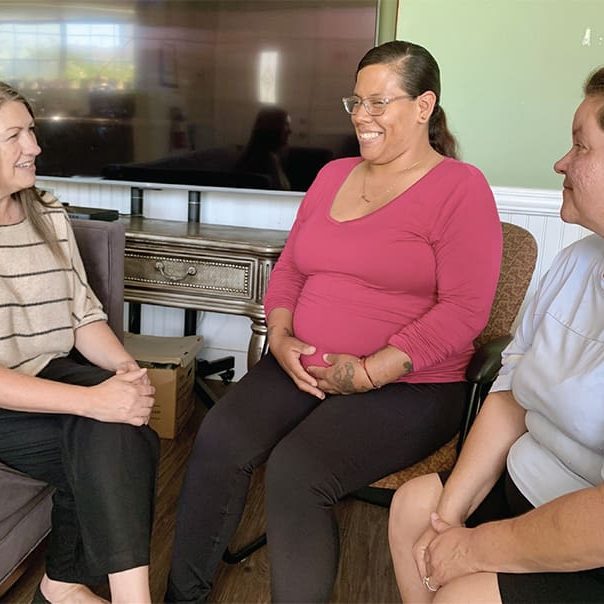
[[39, 597]]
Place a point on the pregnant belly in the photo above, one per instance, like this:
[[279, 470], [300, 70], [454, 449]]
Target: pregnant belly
[[332, 330], [343, 315]]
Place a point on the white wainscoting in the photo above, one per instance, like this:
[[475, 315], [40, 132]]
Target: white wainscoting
[[536, 210]]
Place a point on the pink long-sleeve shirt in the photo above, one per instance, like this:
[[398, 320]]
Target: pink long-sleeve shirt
[[418, 274]]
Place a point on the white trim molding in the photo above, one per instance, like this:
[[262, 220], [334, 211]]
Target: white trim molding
[[516, 200]]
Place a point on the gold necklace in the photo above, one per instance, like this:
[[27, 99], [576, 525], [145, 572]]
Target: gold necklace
[[391, 187]]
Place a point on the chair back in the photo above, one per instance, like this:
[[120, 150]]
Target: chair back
[[517, 266], [101, 246]]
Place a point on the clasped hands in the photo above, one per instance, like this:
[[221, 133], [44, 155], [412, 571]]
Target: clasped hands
[[127, 397], [443, 552], [344, 374]]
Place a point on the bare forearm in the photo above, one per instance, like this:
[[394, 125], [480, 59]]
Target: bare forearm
[[498, 425], [348, 373], [387, 365], [280, 323], [26, 393], [100, 346], [566, 534]]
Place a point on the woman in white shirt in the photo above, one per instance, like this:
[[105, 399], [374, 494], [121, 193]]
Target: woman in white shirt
[[521, 516]]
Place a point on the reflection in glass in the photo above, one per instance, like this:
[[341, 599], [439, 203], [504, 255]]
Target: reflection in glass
[[173, 90], [267, 76]]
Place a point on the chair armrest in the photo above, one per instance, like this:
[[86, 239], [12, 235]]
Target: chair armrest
[[486, 361], [481, 373]]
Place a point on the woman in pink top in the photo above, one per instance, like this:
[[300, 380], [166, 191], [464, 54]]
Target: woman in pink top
[[386, 279]]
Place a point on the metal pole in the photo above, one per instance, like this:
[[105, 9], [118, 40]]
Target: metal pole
[[136, 201], [134, 317], [194, 214], [194, 206], [190, 322]]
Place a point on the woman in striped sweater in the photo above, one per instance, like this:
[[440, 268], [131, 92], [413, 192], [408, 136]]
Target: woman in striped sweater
[[80, 427]]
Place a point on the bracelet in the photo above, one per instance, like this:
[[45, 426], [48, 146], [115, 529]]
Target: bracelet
[[362, 361]]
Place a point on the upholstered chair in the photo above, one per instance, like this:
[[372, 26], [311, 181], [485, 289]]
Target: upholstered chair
[[518, 264], [25, 503]]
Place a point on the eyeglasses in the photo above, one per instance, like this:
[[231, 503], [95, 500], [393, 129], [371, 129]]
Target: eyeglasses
[[373, 106]]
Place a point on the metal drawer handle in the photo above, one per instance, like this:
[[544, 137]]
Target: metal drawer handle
[[160, 266]]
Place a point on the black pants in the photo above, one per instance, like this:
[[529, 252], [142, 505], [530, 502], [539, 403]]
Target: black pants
[[317, 453], [104, 474]]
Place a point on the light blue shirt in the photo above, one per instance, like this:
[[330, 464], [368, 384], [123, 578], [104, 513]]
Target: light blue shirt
[[555, 369]]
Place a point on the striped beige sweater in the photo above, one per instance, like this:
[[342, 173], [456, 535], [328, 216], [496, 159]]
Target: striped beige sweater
[[42, 301]]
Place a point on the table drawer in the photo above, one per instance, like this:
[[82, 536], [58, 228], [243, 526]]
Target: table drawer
[[206, 275]]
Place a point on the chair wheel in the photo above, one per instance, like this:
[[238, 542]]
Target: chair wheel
[[227, 376]]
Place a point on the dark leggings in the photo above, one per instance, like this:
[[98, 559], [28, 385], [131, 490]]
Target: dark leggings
[[317, 453], [104, 474]]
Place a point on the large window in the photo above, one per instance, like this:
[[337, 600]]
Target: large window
[[186, 88], [77, 53]]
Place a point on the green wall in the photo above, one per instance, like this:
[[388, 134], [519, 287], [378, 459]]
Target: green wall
[[512, 73]]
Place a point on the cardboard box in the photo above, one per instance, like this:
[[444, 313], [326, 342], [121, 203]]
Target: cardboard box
[[171, 369]]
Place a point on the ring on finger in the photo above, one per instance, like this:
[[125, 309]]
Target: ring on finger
[[428, 585]]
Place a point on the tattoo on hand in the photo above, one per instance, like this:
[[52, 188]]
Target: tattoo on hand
[[343, 376], [408, 366]]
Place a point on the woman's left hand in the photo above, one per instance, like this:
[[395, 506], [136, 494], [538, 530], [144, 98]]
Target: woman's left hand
[[344, 375], [449, 555], [127, 366]]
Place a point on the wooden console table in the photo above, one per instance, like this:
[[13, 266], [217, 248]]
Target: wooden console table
[[202, 267]]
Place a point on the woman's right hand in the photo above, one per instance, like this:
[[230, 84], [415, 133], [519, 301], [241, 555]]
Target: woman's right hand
[[126, 398], [419, 550], [287, 350]]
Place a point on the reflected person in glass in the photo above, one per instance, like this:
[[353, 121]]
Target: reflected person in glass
[[263, 154]]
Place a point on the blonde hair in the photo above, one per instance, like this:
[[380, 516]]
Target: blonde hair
[[32, 199]]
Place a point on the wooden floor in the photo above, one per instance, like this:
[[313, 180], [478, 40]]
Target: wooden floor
[[365, 573]]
